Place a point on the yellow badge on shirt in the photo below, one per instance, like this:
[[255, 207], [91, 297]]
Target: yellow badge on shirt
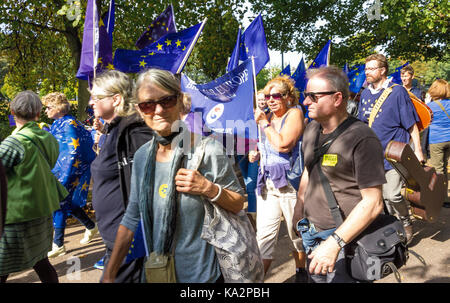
[[163, 190], [329, 160]]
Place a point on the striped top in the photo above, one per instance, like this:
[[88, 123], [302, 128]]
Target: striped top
[[11, 152]]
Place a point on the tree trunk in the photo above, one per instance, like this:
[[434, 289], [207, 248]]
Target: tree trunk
[[74, 43]]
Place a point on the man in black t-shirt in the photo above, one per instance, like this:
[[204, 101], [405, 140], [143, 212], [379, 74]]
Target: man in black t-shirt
[[353, 164]]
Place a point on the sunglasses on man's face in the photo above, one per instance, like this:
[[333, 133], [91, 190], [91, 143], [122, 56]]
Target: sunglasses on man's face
[[149, 107], [276, 96], [314, 96]]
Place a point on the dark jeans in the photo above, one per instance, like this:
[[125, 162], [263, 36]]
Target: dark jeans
[[311, 240], [59, 221]]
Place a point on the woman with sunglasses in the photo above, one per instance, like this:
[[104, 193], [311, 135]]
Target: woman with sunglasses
[[281, 130], [124, 133], [166, 196]]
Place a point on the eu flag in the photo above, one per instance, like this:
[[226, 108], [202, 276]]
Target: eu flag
[[72, 168], [356, 78], [96, 50], [234, 59], [227, 102], [251, 43], [396, 76], [299, 76], [138, 247], [163, 24], [286, 71], [170, 52], [323, 57]]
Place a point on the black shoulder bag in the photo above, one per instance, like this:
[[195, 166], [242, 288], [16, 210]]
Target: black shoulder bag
[[381, 248]]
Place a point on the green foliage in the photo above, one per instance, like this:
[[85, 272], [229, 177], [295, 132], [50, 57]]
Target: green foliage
[[409, 30]]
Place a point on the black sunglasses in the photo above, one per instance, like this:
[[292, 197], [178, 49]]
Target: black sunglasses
[[314, 97], [149, 107], [276, 96]]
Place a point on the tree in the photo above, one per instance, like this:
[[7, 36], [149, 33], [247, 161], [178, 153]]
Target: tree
[[43, 48], [410, 30]]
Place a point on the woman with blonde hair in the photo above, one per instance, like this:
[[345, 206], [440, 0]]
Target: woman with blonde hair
[[72, 169], [439, 134], [281, 130], [124, 132]]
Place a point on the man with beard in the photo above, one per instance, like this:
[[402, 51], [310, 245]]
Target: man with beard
[[388, 110]]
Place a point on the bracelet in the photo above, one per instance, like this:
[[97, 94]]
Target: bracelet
[[218, 194], [339, 240], [266, 126]]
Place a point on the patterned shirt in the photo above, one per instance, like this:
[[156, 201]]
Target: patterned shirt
[[11, 152]]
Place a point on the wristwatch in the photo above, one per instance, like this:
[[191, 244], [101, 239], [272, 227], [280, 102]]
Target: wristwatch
[[266, 125], [339, 240]]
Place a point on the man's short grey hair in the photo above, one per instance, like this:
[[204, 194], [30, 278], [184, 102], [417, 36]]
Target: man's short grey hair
[[335, 77], [26, 105]]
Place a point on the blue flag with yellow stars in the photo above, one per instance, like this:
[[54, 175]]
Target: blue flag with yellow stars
[[251, 43], [72, 168], [163, 24], [286, 71], [167, 53], [356, 78], [396, 76], [323, 57], [138, 247]]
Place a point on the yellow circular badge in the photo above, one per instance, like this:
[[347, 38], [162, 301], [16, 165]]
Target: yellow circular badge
[[163, 190]]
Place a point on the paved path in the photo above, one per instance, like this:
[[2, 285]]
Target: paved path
[[431, 241]]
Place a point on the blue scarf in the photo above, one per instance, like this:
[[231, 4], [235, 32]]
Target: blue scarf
[[164, 245]]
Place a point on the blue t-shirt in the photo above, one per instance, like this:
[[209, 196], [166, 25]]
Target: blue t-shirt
[[393, 120], [440, 126]]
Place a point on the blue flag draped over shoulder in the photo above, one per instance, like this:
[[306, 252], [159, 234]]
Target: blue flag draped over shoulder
[[286, 71], [96, 50], [396, 76], [163, 24], [356, 78], [251, 43], [167, 53], [226, 104], [72, 168]]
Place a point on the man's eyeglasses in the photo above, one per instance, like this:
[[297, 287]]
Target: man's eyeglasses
[[371, 69], [276, 96], [149, 107], [314, 97]]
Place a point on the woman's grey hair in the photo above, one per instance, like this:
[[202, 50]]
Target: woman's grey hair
[[26, 105], [162, 79], [335, 77], [116, 82]]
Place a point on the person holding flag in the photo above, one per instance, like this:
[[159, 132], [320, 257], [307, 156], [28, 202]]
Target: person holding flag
[[281, 131], [72, 169], [124, 133], [167, 196]]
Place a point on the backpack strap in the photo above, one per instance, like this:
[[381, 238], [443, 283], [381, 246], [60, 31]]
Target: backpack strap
[[318, 153], [378, 104]]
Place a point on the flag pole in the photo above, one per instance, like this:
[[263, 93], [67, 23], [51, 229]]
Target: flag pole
[[255, 91], [191, 47], [94, 14]]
